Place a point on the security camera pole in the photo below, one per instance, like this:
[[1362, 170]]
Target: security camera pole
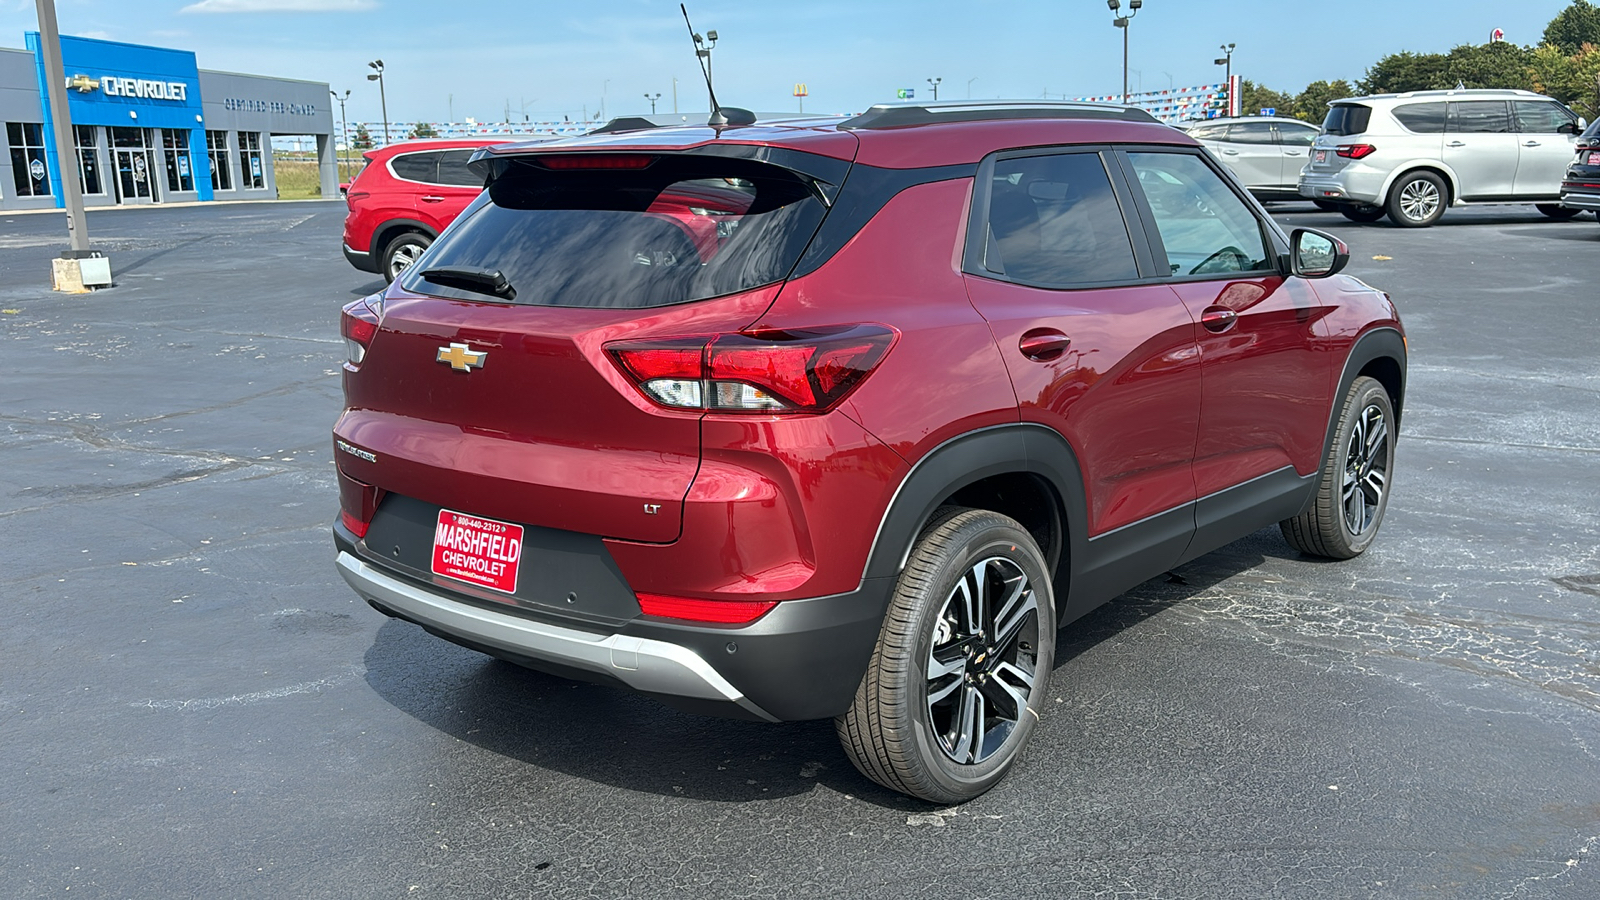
[[55, 77]]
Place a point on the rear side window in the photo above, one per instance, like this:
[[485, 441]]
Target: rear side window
[[1541, 116], [1205, 228], [1480, 117], [1054, 222], [1296, 136], [682, 228], [1422, 118], [453, 169], [1251, 133], [1208, 132], [415, 166], [1345, 119]]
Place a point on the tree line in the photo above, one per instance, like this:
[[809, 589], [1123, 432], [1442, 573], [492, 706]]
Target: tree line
[[1564, 65]]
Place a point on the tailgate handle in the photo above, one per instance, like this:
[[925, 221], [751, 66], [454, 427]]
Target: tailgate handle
[[1043, 344]]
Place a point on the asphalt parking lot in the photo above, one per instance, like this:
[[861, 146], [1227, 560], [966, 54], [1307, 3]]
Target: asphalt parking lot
[[193, 703]]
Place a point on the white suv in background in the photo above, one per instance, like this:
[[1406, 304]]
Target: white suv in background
[[1411, 155], [1265, 153]]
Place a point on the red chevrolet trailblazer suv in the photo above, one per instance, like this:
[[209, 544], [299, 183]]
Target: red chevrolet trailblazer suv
[[407, 194], [844, 418]]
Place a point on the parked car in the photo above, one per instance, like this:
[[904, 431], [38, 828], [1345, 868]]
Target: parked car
[[1411, 155], [1580, 189], [407, 194], [1265, 153], [843, 420]]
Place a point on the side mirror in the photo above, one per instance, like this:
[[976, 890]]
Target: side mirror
[[1316, 254], [1571, 127]]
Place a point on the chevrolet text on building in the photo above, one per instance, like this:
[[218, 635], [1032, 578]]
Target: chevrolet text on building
[[150, 126]]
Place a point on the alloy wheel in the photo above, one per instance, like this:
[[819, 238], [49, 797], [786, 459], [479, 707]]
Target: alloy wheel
[[1366, 470], [1419, 200], [982, 665], [402, 259]]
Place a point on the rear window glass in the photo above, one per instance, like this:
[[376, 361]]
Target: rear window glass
[[415, 166], [684, 228], [1347, 119], [1421, 118]]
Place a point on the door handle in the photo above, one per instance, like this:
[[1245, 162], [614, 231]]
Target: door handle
[[1456, 144], [1230, 153], [1218, 319], [1043, 344], [430, 198], [1531, 144]]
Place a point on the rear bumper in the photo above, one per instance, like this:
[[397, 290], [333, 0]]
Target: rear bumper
[[803, 660], [361, 259], [1341, 188], [1589, 200]]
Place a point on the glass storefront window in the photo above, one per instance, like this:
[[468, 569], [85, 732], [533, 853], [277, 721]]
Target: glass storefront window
[[217, 149], [28, 168], [87, 137], [134, 161], [180, 173], [252, 171]]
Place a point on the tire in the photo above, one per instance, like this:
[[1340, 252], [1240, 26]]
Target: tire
[[1361, 213], [1353, 489], [903, 729], [401, 252], [1326, 205], [1556, 211], [1417, 200]]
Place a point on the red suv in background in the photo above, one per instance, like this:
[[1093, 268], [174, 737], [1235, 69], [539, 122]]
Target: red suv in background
[[843, 418], [406, 195]]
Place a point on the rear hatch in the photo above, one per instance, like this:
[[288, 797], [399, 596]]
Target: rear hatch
[[486, 388], [1342, 127]]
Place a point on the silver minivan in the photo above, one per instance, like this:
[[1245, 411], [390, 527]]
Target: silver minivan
[[1408, 156]]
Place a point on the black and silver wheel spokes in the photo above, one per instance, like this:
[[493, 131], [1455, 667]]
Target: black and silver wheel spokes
[[981, 668], [404, 256], [1366, 470]]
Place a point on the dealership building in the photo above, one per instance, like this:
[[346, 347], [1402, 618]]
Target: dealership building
[[149, 126]]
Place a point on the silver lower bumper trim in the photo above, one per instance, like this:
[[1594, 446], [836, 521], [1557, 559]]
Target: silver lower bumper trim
[[641, 663]]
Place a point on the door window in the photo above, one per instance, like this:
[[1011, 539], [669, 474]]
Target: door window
[[1054, 221], [1480, 117], [1295, 135], [1541, 116], [1251, 133], [1205, 228]]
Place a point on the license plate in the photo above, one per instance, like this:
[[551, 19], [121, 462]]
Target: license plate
[[1594, 159], [477, 550], [1321, 156]]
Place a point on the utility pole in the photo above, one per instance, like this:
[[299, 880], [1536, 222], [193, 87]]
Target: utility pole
[[935, 83], [674, 95], [55, 77]]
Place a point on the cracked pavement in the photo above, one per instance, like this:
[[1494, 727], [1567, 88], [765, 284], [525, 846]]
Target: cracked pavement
[[193, 703]]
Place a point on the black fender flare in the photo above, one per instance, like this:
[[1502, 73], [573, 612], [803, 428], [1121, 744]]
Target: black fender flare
[[1384, 342], [392, 229], [1018, 448]]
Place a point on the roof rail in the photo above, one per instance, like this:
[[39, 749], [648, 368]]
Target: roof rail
[[891, 115]]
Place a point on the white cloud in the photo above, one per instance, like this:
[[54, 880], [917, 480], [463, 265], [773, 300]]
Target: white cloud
[[269, 6]]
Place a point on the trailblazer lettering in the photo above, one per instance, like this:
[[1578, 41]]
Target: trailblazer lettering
[[144, 89]]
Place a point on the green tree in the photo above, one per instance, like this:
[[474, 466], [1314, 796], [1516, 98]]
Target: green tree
[[1570, 79], [1311, 104], [1253, 98], [422, 130], [362, 140], [1405, 71], [1573, 27], [1496, 65]]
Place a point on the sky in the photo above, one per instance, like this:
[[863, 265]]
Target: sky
[[450, 61]]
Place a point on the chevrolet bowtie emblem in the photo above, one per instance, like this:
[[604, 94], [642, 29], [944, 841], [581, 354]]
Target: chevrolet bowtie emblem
[[461, 357], [83, 83]]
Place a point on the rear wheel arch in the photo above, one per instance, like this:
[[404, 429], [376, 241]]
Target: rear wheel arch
[[394, 228], [1452, 189], [1026, 472]]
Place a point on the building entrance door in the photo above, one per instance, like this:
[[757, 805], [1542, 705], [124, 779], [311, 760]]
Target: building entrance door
[[135, 164]]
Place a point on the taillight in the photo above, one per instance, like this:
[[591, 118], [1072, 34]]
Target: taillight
[[358, 324], [721, 612], [797, 371], [357, 503], [1355, 151]]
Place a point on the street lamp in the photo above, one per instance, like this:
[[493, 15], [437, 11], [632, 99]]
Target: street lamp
[[969, 86], [344, 158], [1122, 21], [378, 77], [1227, 60], [935, 83], [703, 47], [653, 98]]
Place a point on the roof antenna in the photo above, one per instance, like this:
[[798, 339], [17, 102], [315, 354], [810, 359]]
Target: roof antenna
[[732, 115]]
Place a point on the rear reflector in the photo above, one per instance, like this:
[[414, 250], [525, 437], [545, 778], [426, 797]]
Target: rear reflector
[[721, 612], [356, 526], [1355, 151], [596, 161]]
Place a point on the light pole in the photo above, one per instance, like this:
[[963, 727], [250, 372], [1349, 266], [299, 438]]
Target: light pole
[[703, 47], [344, 158], [1122, 21], [653, 98], [969, 86], [1227, 61], [378, 77], [605, 88], [935, 83]]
